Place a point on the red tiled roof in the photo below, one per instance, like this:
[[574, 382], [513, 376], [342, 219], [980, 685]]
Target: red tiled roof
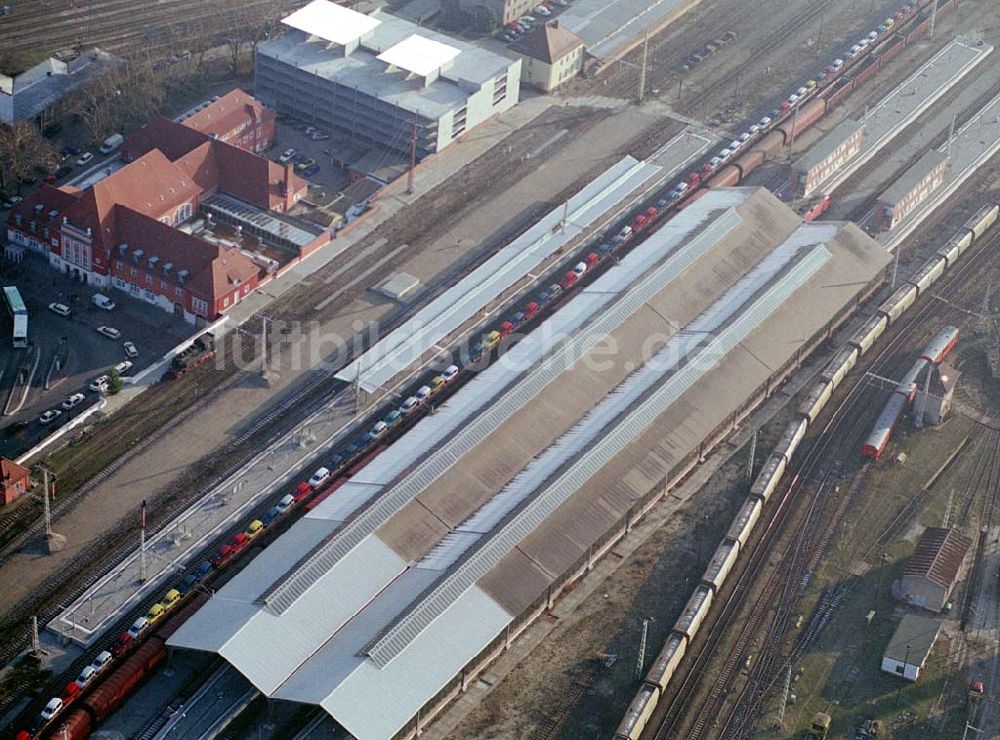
[[226, 113], [938, 556], [10, 470], [548, 42], [212, 268], [151, 185], [170, 137], [50, 198]]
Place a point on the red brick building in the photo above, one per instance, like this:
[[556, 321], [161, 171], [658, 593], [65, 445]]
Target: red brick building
[[236, 118], [123, 231], [15, 480]]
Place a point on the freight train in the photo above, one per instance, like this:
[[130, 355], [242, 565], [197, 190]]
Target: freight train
[[655, 682]]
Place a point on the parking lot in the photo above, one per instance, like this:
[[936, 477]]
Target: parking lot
[[69, 351], [328, 179]]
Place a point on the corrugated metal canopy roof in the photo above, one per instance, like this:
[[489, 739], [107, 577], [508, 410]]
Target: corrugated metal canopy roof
[[335, 616], [458, 304]]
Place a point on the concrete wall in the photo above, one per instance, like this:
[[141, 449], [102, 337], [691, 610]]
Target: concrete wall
[[547, 77]]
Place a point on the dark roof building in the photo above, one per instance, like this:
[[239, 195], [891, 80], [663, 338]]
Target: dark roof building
[[934, 567], [36, 93], [910, 646], [911, 189], [826, 157], [551, 54]]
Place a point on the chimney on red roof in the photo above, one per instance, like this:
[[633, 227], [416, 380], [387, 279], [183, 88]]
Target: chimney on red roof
[[286, 184]]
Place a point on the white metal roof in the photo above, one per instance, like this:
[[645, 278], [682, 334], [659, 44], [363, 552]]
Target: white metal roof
[[419, 55], [601, 424], [449, 432], [460, 302], [330, 21], [312, 650]]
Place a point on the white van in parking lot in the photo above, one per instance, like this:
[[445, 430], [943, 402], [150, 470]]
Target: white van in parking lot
[[102, 301]]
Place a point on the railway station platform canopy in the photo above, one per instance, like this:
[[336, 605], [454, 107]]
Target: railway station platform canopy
[[464, 300], [372, 604]]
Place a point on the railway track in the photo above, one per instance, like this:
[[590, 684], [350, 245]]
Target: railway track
[[740, 717], [123, 26]]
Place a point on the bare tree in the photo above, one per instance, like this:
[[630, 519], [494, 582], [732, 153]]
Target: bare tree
[[123, 99], [23, 150], [245, 25]]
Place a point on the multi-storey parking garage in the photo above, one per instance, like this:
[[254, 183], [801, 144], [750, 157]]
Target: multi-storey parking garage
[[386, 598]]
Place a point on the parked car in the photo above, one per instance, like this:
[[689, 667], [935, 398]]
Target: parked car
[[310, 171], [423, 393], [138, 627], [286, 156], [408, 405], [101, 660], [12, 201], [450, 372], [393, 418], [155, 613], [99, 384], [305, 164], [255, 528], [543, 11], [319, 477], [88, 674], [50, 416], [84, 159], [110, 332], [102, 302], [60, 309], [130, 350], [765, 121], [491, 340], [437, 383], [271, 516], [170, 598], [73, 401], [123, 367], [287, 502], [52, 709]]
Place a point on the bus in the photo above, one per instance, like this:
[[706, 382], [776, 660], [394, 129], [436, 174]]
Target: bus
[[19, 313]]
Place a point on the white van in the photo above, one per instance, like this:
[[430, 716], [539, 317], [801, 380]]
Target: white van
[[102, 301], [111, 143]]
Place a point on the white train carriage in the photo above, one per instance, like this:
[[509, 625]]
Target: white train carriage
[[721, 563], [840, 365], [667, 661], [638, 713], [790, 440], [951, 249], [929, 273], [769, 476], [907, 385], [877, 440], [871, 330], [981, 220], [694, 613], [941, 345], [893, 306], [816, 400], [744, 521]]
